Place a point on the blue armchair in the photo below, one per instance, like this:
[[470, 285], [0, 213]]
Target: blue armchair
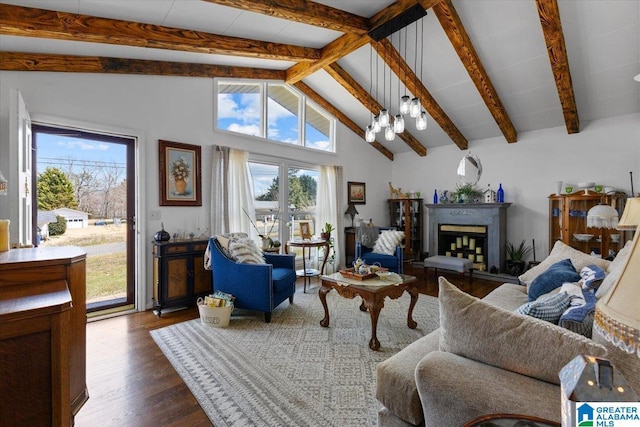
[[260, 287], [392, 262]]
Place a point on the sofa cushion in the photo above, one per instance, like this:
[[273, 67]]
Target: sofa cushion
[[508, 296], [282, 279], [387, 242], [474, 329], [396, 386], [614, 270], [548, 308], [559, 252], [557, 274]]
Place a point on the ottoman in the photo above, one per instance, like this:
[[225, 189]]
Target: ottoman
[[461, 265]]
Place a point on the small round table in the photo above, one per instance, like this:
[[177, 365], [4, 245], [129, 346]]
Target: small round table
[[308, 273]]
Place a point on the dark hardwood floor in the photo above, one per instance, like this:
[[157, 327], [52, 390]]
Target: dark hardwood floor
[[131, 383]]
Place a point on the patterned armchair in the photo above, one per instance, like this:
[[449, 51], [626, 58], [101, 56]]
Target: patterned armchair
[[260, 287]]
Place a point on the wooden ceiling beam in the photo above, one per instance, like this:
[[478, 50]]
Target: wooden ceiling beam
[[340, 75], [16, 61], [31, 22], [310, 93], [453, 27], [349, 42], [303, 11], [398, 65], [554, 38]]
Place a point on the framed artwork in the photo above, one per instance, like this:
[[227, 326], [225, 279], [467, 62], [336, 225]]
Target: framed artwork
[[305, 231], [357, 193], [180, 176]]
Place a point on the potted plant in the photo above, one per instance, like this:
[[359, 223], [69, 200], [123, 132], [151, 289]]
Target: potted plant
[[517, 254], [467, 193], [326, 231]]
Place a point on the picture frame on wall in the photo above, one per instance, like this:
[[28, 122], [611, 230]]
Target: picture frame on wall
[[180, 174], [357, 193]]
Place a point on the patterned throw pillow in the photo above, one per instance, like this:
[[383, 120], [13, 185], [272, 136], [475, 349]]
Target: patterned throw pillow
[[549, 308], [579, 316], [246, 251], [591, 277], [387, 242]]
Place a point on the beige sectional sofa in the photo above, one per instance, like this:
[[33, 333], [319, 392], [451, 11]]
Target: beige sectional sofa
[[484, 359]]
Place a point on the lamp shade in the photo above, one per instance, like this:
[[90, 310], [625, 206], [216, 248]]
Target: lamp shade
[[351, 210], [631, 216], [617, 317], [602, 216]]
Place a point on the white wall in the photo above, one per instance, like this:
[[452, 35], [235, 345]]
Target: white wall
[[181, 109], [604, 151], [176, 109]]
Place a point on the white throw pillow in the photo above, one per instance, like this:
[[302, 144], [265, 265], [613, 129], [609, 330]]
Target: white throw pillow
[[246, 251], [559, 252], [614, 270], [387, 242]]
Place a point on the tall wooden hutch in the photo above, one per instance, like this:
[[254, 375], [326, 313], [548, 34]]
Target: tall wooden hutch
[[406, 215], [568, 223]]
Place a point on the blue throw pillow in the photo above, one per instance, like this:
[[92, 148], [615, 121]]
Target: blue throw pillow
[[553, 277]]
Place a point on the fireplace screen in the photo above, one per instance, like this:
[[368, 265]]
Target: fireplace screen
[[464, 241]]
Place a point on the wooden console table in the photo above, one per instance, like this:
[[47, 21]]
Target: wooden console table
[[43, 335]]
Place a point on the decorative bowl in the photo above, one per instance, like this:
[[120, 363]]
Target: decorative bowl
[[583, 237], [615, 238]]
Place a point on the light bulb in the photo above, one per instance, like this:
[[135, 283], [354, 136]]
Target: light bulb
[[414, 109], [376, 124], [398, 124], [369, 134], [421, 121], [404, 104], [389, 134], [384, 117]]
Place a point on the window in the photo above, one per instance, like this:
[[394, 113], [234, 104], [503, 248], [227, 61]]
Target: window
[[275, 111], [298, 195]]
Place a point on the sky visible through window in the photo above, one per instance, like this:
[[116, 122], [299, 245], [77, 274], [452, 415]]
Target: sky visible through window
[[240, 112], [58, 151]]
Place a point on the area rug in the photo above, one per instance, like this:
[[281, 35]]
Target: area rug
[[292, 371]]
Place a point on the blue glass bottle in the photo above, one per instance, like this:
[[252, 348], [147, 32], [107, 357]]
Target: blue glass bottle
[[435, 197], [500, 194]]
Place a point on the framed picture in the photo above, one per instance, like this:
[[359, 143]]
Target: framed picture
[[357, 193], [180, 176]]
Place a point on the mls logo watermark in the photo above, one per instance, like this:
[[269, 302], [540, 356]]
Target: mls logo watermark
[[607, 414]]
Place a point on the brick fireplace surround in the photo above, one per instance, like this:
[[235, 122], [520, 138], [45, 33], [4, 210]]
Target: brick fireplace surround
[[491, 215]]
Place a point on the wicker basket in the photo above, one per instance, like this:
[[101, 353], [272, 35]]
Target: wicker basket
[[218, 317]]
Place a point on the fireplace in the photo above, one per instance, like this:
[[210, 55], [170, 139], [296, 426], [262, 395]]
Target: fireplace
[[476, 231]]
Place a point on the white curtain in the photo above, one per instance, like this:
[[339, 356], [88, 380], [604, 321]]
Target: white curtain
[[241, 195], [231, 193], [329, 183]]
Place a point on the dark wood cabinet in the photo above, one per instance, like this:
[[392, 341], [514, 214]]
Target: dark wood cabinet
[[179, 276], [406, 215], [349, 245], [42, 335]]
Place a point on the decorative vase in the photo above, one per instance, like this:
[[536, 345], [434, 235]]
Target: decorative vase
[[181, 186]]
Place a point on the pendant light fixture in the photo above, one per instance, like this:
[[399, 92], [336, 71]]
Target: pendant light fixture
[[398, 122], [370, 133], [421, 120], [415, 107]]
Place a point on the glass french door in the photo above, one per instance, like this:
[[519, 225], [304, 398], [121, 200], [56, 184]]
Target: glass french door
[[85, 196]]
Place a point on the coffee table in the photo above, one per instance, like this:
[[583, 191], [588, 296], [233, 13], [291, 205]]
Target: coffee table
[[373, 292]]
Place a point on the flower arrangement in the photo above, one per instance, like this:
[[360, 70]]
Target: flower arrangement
[[180, 169]]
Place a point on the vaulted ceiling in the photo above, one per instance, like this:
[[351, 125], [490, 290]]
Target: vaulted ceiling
[[482, 68]]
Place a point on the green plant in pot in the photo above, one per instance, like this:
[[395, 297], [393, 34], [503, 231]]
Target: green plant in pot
[[467, 193], [517, 255], [326, 231]]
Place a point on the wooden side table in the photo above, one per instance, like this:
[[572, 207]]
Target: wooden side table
[[308, 273]]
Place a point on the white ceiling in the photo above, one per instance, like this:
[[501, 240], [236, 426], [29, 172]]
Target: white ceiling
[[602, 39]]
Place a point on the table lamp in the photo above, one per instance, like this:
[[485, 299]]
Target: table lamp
[[352, 212], [617, 317]]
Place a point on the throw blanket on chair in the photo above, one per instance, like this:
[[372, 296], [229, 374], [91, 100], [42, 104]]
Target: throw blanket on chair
[[367, 235]]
